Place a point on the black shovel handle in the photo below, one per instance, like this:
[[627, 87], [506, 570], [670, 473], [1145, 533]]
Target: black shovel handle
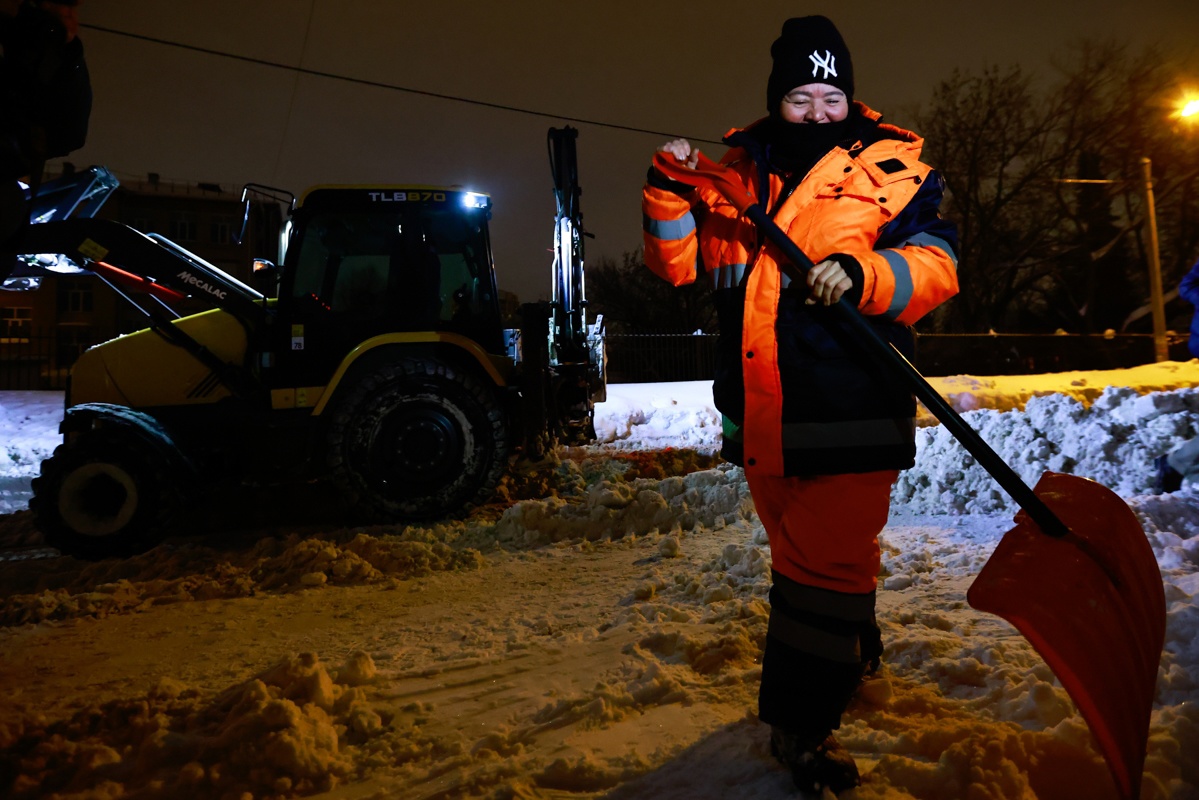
[[709, 173]]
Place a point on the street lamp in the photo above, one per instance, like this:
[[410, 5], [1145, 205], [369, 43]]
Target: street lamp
[[1161, 347], [1188, 112]]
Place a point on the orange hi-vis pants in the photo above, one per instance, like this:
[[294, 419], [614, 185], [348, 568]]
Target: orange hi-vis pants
[[823, 530]]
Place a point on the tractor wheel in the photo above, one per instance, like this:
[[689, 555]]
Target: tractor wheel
[[417, 439], [103, 495]]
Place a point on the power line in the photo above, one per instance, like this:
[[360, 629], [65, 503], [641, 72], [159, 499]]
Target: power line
[[383, 85], [291, 100]]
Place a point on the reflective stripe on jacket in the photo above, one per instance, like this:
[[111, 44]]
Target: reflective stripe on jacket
[[797, 399]]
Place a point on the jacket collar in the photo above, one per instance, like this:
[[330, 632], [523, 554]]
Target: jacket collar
[[870, 130], [873, 128]]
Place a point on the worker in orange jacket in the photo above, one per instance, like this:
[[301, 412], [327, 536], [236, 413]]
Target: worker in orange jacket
[[819, 430]]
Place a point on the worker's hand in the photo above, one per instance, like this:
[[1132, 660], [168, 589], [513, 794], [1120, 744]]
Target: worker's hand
[[681, 150], [827, 281]]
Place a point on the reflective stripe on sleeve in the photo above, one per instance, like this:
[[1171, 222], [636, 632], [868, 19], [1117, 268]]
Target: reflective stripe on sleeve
[[669, 230], [928, 240], [903, 283]]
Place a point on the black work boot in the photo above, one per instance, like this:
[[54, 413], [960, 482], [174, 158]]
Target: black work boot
[[815, 762]]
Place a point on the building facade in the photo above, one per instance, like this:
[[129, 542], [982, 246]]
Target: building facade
[[43, 331]]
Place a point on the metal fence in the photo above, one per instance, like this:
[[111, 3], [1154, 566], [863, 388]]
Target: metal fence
[[1033, 354], [42, 360], [650, 358], [37, 360], [656, 358]]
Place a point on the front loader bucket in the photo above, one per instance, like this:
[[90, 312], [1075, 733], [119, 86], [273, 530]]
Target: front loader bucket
[[1093, 605]]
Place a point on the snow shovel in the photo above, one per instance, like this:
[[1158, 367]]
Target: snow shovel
[[1076, 576]]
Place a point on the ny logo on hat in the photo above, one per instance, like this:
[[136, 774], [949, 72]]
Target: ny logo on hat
[[828, 63]]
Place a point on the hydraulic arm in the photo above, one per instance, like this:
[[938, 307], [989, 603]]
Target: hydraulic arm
[[146, 269]]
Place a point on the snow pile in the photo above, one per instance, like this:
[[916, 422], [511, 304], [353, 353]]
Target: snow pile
[[1114, 441], [28, 435], [916, 554], [597, 631], [183, 572], [1008, 392], [588, 499], [648, 416], [283, 733], [616, 508]]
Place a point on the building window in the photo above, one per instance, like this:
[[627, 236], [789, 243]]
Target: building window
[[138, 220], [222, 230], [16, 324], [74, 297], [183, 228], [71, 342]]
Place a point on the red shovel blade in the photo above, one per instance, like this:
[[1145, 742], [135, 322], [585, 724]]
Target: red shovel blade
[[706, 172], [1093, 605]]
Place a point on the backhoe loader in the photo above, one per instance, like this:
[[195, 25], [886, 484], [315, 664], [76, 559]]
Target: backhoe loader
[[371, 353]]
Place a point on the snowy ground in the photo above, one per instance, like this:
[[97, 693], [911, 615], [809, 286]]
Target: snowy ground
[[594, 634]]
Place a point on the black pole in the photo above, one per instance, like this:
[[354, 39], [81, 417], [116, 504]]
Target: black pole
[[886, 353]]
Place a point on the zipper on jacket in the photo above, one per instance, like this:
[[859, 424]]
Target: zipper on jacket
[[790, 184]]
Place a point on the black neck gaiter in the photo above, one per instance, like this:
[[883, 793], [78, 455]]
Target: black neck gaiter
[[794, 147]]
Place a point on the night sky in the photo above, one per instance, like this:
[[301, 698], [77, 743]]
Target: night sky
[[691, 68]]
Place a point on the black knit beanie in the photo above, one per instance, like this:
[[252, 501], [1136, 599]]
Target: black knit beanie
[[809, 50]]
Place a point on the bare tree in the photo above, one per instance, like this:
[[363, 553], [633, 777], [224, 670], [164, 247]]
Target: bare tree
[[1038, 253], [993, 138], [1125, 109]]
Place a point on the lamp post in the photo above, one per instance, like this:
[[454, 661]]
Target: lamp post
[[1188, 112], [1161, 349]]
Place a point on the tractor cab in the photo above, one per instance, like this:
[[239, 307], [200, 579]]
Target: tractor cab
[[360, 262]]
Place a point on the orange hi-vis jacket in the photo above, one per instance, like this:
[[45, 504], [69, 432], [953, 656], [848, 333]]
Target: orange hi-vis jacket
[[796, 397]]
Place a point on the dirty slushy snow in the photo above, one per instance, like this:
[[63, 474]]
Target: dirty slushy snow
[[595, 633]]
